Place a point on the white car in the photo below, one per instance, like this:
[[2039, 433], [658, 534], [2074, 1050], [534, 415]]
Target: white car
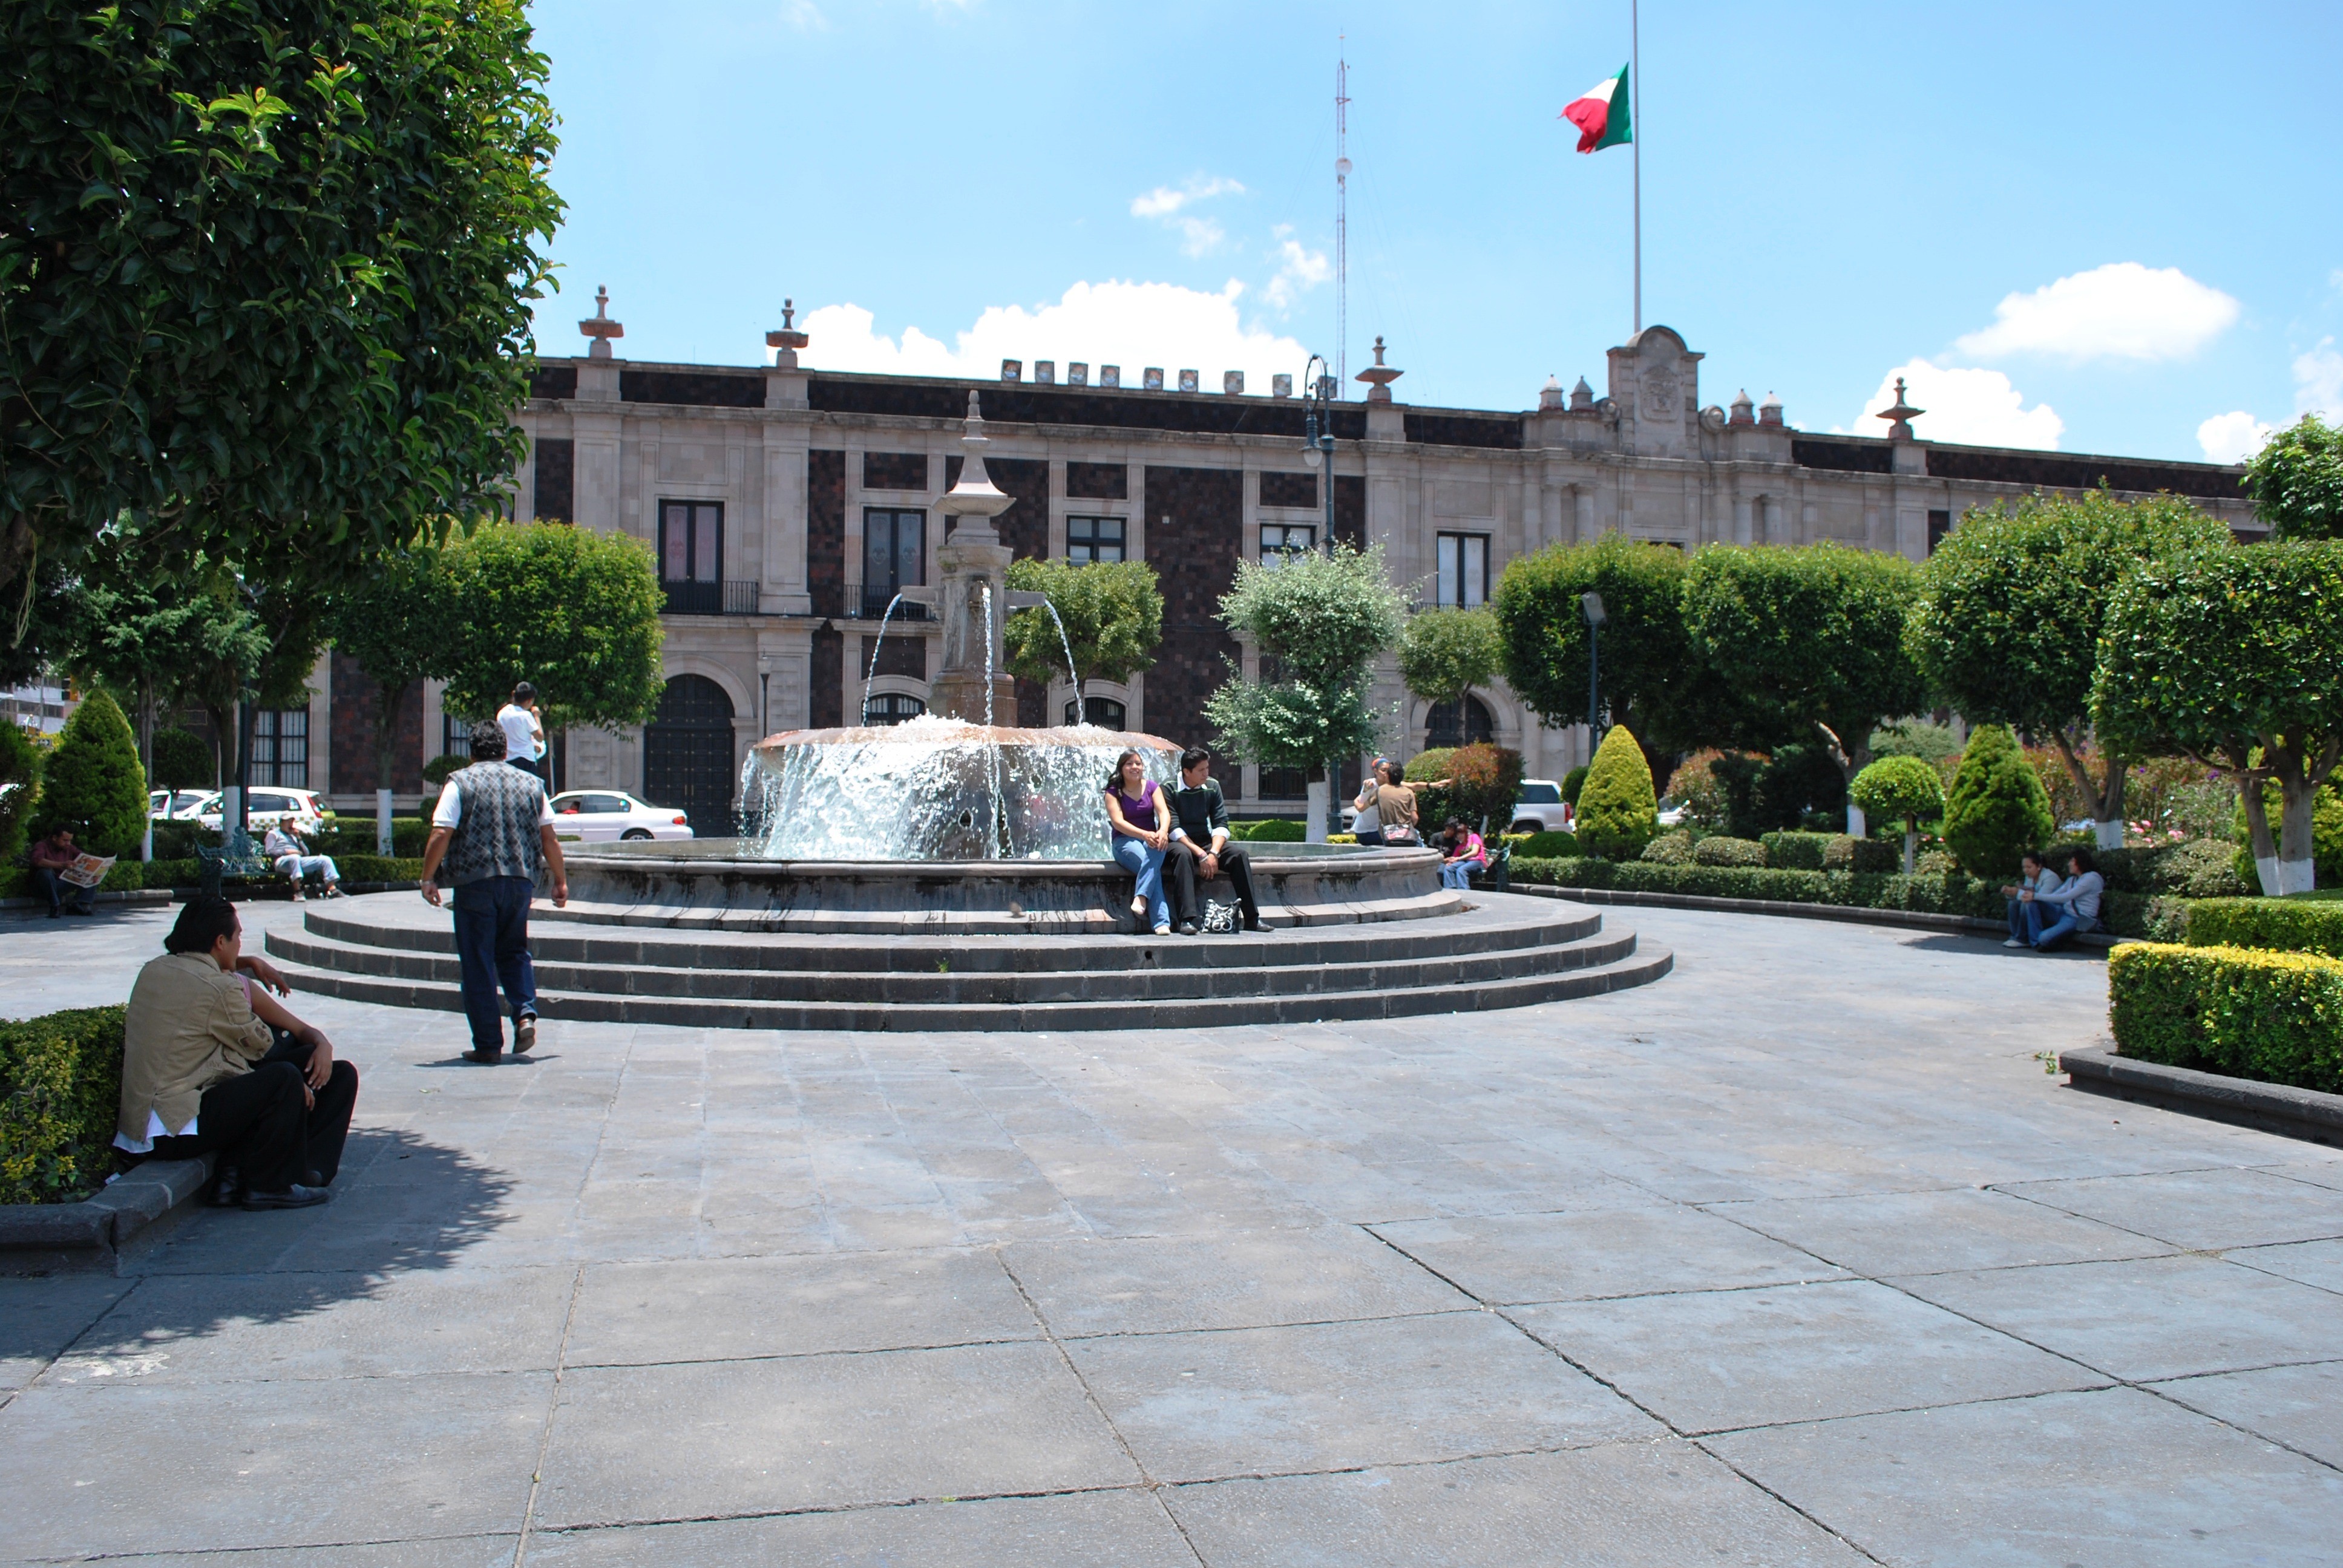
[[604, 815], [164, 807], [1540, 809], [267, 806]]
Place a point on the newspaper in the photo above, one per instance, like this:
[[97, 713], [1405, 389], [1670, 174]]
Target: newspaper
[[88, 871]]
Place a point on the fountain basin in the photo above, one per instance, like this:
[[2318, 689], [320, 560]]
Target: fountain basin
[[730, 884]]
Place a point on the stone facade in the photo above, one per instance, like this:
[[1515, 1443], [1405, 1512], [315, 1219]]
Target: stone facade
[[797, 458]]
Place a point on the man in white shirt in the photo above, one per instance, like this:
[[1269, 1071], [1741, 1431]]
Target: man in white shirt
[[524, 730], [283, 845]]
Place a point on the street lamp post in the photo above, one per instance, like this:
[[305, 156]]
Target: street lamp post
[[1592, 603], [1318, 438]]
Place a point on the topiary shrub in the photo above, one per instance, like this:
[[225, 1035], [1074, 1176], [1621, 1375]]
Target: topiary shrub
[[182, 760], [1797, 851], [1899, 788], [60, 1090], [436, 771], [1721, 850], [1998, 810], [1551, 845], [1271, 830], [1844, 852], [92, 781], [2272, 1016], [1618, 813], [1669, 849], [1572, 783], [20, 786]]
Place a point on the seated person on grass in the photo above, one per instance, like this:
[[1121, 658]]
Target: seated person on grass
[[212, 1063], [50, 858], [2074, 905], [2034, 878], [283, 845], [1201, 848]]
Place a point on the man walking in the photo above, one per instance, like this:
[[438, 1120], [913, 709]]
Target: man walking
[[494, 830], [524, 730], [1201, 846]]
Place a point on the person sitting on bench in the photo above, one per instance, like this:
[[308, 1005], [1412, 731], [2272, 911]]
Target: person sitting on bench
[[1201, 846], [283, 845]]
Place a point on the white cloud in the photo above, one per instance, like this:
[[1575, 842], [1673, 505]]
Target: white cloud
[[1198, 233], [1979, 408], [1300, 270], [2120, 311], [1133, 324], [2231, 438], [2318, 381]]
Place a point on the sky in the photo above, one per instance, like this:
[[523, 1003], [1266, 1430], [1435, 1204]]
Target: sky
[[2109, 229]]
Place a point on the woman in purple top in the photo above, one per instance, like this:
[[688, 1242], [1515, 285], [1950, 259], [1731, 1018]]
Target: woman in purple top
[[1142, 831]]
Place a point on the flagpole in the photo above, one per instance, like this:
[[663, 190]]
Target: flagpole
[[1635, 107]]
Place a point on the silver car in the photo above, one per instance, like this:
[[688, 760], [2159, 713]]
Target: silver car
[[603, 816]]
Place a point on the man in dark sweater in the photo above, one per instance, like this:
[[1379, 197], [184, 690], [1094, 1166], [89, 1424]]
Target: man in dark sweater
[[1201, 846]]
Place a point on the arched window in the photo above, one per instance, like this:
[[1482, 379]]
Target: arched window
[[893, 708], [1441, 726], [1103, 711]]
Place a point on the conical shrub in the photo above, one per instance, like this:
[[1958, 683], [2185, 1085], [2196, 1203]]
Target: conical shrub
[[1998, 810], [1618, 813], [92, 783]]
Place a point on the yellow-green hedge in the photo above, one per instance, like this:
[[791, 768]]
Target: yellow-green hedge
[[2249, 1013], [2286, 925], [60, 1090]]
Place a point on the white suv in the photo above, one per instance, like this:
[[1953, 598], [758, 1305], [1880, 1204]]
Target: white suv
[[268, 806], [1541, 809]]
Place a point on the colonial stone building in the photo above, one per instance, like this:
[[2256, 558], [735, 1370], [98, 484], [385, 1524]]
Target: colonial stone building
[[786, 505]]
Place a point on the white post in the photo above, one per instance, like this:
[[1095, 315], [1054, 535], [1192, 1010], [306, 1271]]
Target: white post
[[382, 841], [1314, 827], [1854, 824], [1635, 129]]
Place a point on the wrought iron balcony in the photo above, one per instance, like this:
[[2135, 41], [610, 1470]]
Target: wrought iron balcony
[[731, 597]]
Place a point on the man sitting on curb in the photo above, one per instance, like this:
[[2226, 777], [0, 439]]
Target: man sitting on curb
[[1201, 846], [202, 1072], [51, 858], [494, 829]]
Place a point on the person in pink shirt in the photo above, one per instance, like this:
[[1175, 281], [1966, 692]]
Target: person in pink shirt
[[1465, 854]]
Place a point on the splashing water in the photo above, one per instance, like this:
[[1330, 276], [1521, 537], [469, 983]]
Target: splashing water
[[1081, 709], [864, 716], [986, 590]]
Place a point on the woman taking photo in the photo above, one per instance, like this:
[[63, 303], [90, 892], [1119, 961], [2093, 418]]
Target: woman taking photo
[[1142, 832]]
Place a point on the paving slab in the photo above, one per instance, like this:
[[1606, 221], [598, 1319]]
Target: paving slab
[[2203, 1210], [1160, 1285], [2300, 1406], [1706, 1361], [89, 1471], [1657, 1504], [1332, 1396], [1648, 1248], [2150, 1318], [1120, 1529], [708, 1438], [2110, 1479], [1927, 1232], [462, 1551], [2316, 1264], [40, 1317]]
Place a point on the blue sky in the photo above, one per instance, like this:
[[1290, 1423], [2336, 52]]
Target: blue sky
[[2102, 228]]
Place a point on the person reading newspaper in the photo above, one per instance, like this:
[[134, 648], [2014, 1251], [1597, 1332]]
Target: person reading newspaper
[[59, 864]]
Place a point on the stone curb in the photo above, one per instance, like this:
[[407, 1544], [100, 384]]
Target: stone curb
[[133, 896], [2272, 1107], [180, 895], [52, 1238], [1845, 913]]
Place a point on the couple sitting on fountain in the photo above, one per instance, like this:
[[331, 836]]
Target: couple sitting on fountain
[[1188, 828]]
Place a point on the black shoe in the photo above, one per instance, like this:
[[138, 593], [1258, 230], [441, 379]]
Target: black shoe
[[525, 1034], [1253, 923], [1187, 927], [490, 1058], [226, 1187], [293, 1197]]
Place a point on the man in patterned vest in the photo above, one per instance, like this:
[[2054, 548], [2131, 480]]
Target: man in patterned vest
[[493, 829]]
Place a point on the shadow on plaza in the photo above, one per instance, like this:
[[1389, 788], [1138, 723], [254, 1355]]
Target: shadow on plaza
[[1985, 944]]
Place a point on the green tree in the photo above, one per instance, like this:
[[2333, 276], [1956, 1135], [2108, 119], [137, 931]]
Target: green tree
[[1112, 614], [20, 789], [574, 613], [1812, 641], [132, 629], [1618, 810], [1997, 808], [396, 624], [2007, 624], [1319, 622], [92, 781], [182, 761], [265, 280], [1899, 786], [1653, 680], [2296, 480], [2228, 656], [1444, 653]]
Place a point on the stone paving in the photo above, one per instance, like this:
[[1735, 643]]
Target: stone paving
[[1797, 1256]]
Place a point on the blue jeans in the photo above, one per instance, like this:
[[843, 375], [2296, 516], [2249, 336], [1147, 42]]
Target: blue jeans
[[1146, 863], [2067, 924], [1459, 873], [492, 942], [2025, 920]]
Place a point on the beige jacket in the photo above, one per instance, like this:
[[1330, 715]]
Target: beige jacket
[[189, 1027]]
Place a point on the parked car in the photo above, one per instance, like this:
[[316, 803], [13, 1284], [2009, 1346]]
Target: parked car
[[1541, 808], [268, 806], [602, 816], [163, 806]]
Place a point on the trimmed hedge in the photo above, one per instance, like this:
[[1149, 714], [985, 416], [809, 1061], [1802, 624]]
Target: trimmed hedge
[[2280, 925], [60, 1093], [1846, 852], [1670, 848], [1270, 831], [1720, 850], [2274, 1017], [353, 834], [1797, 851], [1552, 844]]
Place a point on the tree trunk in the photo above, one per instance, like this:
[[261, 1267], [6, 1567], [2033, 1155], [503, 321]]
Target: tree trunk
[[389, 700], [2105, 796], [1911, 846], [2258, 827], [146, 756], [1851, 760]]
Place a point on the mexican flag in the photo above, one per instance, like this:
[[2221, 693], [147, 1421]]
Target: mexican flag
[[1601, 115]]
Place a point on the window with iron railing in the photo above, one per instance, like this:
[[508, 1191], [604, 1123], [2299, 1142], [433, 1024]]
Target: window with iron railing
[[692, 562], [894, 557], [894, 708]]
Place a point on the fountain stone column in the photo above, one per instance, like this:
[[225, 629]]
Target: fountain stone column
[[970, 562]]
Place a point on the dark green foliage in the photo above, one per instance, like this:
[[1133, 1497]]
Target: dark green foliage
[[1618, 812], [265, 275], [1797, 851], [60, 1091], [1900, 790], [394, 621], [2296, 480], [20, 788], [1721, 850], [177, 840], [1844, 852], [1551, 843], [182, 760], [1799, 786], [1113, 613], [2285, 925], [2275, 1017], [1573, 782], [574, 612], [341, 836], [1669, 849], [1486, 782], [436, 771], [92, 781], [1998, 810], [1270, 831]]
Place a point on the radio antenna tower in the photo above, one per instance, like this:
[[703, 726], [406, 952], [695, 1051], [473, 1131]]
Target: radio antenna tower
[[1341, 224]]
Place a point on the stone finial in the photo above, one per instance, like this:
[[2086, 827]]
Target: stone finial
[[599, 326], [1743, 409], [1581, 398], [1769, 412], [1900, 414], [976, 496], [1550, 394], [1379, 376], [788, 339]]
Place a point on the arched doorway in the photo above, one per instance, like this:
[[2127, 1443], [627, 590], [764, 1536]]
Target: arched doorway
[[688, 755], [1441, 725]]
